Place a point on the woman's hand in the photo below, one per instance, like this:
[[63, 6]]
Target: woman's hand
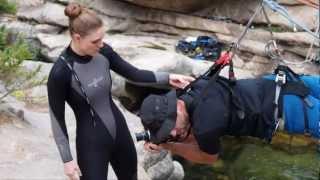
[[72, 170], [179, 81]]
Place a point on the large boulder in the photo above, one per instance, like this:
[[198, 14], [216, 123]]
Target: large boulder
[[25, 149], [185, 6], [136, 19], [48, 13], [236, 11], [28, 3], [289, 2], [140, 51]]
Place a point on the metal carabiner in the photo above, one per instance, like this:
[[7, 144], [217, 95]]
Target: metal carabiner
[[280, 78]]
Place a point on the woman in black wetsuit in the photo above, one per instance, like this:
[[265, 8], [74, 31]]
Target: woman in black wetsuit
[[81, 77]]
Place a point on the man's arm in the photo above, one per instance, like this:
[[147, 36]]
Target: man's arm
[[191, 152]]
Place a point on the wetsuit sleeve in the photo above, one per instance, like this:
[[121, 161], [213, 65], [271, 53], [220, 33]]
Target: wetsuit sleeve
[[132, 73], [57, 90]]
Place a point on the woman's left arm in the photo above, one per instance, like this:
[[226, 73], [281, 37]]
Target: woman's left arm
[[142, 77]]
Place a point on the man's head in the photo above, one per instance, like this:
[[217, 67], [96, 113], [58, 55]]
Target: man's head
[[165, 117]]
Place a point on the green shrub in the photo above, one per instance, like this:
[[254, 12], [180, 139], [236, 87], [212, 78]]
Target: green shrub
[[12, 55], [3, 35], [7, 7]]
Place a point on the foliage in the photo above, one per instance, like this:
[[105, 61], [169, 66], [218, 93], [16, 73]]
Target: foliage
[[7, 7], [13, 51], [12, 54]]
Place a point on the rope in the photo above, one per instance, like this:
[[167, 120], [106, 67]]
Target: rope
[[272, 50], [284, 12], [309, 56], [235, 45]]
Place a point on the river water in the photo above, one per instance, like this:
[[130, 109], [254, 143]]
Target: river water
[[250, 159]]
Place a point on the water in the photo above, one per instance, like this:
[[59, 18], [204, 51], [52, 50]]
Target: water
[[251, 159]]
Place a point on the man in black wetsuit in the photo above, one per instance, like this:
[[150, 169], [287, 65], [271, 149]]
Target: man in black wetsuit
[[81, 77]]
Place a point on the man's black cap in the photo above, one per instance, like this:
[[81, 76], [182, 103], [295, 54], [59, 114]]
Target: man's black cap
[[158, 114]]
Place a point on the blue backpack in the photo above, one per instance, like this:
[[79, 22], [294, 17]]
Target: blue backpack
[[300, 103]]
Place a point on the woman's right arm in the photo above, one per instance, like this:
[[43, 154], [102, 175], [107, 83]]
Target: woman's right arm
[[58, 85]]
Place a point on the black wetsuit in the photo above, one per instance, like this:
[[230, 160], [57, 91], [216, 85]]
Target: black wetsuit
[[109, 140]]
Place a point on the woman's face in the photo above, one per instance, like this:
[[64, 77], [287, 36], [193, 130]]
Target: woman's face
[[91, 43]]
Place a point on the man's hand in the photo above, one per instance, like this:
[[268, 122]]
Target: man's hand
[[153, 148], [72, 170]]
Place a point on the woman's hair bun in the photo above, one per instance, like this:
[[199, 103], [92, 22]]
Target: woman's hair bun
[[73, 10]]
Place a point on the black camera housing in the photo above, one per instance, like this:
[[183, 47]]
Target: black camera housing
[[143, 136]]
